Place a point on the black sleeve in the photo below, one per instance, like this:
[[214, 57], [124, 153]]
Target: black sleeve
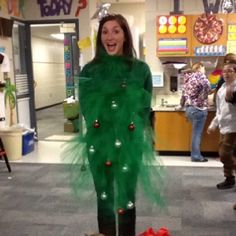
[[219, 84]]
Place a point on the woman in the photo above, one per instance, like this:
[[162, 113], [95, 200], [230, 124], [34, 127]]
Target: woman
[[115, 95], [195, 99]]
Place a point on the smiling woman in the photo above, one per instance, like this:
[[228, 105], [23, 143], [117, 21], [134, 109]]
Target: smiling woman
[[113, 38]]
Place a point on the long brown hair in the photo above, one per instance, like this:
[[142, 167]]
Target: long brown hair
[[128, 47]]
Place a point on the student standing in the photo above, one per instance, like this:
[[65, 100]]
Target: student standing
[[225, 119]]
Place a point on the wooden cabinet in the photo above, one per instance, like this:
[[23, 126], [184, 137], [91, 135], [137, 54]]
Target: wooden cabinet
[[210, 142], [173, 132]]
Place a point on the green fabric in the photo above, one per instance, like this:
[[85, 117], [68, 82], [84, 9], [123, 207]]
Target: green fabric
[[115, 94]]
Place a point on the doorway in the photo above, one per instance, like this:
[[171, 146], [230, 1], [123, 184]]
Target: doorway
[[48, 49]]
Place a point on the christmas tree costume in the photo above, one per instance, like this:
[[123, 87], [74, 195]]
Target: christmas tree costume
[[117, 146]]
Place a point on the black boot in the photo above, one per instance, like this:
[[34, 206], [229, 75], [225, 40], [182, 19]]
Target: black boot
[[126, 223], [107, 226], [228, 183]]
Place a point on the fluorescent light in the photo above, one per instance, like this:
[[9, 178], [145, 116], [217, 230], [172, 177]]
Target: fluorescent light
[[179, 65], [58, 36], [44, 25]]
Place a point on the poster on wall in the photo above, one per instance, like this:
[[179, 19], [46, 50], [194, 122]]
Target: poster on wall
[[68, 66], [173, 35], [157, 79]]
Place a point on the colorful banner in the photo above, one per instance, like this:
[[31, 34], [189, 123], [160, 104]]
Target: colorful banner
[[60, 7]]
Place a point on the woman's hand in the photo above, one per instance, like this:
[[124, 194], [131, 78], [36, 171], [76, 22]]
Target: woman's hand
[[210, 130]]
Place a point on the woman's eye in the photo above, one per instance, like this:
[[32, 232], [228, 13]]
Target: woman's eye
[[104, 32], [116, 31]]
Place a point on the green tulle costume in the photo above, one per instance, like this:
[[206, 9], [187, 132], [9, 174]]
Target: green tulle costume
[[117, 144]]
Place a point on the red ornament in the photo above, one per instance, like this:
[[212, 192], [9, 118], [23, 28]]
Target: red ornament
[[108, 163], [121, 211], [96, 124], [131, 127]]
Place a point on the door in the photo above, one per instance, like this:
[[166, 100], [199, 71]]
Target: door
[[23, 74], [46, 78]]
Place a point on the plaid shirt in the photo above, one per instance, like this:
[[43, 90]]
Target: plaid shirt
[[196, 89]]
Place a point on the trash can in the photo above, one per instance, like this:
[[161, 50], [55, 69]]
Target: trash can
[[27, 142], [12, 141]]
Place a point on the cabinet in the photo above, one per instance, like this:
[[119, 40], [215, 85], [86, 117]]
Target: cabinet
[[173, 132], [210, 142]]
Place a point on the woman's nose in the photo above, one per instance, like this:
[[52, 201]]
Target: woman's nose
[[109, 36]]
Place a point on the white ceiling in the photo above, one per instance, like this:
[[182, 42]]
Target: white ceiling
[[47, 29]]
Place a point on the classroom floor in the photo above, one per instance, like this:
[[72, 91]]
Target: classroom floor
[[36, 197]]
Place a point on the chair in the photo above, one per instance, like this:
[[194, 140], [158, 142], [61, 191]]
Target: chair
[[4, 155]]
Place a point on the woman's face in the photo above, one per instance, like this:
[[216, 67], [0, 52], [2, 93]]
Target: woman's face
[[228, 73], [113, 38]]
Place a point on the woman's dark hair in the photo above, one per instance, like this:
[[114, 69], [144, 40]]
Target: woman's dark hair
[[128, 47]]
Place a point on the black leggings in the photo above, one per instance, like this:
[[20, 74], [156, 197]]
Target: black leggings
[[106, 214], [107, 221]]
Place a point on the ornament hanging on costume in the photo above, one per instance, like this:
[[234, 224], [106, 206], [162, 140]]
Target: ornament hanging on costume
[[130, 205], [96, 124], [103, 196], [114, 105], [121, 211], [91, 150], [118, 143], [131, 126], [108, 163]]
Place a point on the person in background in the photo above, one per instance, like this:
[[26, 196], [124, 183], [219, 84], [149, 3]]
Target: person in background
[[195, 100], [115, 91], [230, 95], [225, 119], [228, 58]]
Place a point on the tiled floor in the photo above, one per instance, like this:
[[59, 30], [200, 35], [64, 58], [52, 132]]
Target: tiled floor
[[44, 205]]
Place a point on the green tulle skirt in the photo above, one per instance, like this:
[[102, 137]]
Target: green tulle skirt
[[115, 145]]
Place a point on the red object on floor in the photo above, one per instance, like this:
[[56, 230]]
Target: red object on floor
[[148, 232], [161, 232]]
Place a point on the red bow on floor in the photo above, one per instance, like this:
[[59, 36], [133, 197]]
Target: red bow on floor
[[161, 232]]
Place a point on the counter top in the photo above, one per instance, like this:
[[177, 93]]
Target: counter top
[[175, 108]]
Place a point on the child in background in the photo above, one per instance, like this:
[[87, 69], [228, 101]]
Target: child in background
[[225, 119]]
